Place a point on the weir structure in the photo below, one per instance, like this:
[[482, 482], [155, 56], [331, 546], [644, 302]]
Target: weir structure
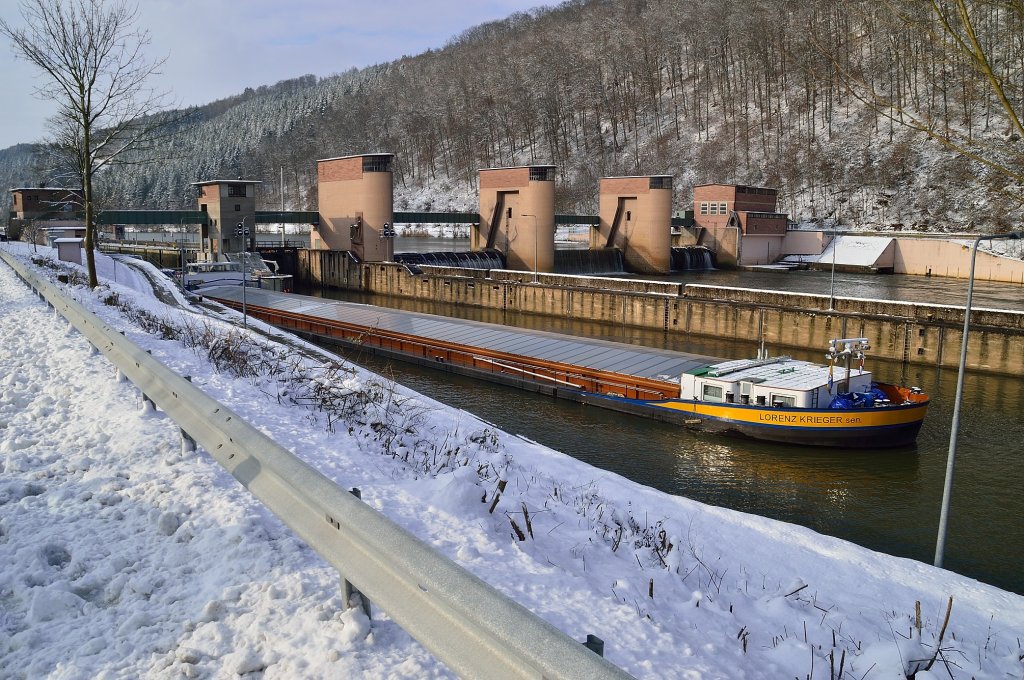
[[355, 196], [517, 216], [636, 218]]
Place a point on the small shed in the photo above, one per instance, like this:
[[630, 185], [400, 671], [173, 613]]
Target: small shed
[[69, 249]]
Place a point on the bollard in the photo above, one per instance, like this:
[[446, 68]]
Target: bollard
[[347, 589], [188, 445], [595, 644]]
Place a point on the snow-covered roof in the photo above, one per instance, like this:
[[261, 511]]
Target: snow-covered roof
[[355, 155], [863, 251], [519, 167], [782, 373], [228, 181], [46, 189]]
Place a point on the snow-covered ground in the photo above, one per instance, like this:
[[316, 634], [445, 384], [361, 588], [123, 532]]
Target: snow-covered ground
[[122, 557]]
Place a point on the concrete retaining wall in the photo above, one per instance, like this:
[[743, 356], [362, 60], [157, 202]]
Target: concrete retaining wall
[[949, 258], [910, 332]]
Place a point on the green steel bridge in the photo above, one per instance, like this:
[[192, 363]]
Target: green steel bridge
[[182, 217]]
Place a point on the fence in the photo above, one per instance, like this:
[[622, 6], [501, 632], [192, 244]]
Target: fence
[[470, 626]]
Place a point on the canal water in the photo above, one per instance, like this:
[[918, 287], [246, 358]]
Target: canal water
[[886, 500]]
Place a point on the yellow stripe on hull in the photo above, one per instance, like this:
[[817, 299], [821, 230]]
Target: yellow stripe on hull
[[783, 417]]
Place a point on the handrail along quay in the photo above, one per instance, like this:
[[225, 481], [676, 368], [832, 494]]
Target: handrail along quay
[[553, 362], [463, 621]]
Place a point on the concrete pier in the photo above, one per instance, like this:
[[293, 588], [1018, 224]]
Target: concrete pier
[[517, 216]]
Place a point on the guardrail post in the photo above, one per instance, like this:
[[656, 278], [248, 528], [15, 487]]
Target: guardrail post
[[347, 589], [119, 375], [594, 644], [148, 404], [188, 445]]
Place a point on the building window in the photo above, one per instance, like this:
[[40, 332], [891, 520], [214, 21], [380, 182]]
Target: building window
[[711, 392], [542, 174], [238, 207], [704, 208], [722, 208], [376, 163], [661, 183], [714, 209], [236, 191]]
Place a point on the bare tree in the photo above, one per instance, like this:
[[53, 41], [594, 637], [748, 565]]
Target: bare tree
[[961, 77], [97, 73]]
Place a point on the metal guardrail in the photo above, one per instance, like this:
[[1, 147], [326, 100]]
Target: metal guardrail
[[463, 621]]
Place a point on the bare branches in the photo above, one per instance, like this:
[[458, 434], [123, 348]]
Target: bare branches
[[97, 71], [958, 77]]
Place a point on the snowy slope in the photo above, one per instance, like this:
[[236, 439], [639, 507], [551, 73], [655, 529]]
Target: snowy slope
[[121, 557]]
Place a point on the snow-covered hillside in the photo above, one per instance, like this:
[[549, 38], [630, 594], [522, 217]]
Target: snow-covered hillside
[[862, 112]]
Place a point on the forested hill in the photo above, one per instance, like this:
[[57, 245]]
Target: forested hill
[[816, 98]]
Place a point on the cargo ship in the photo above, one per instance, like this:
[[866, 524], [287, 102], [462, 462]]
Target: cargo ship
[[779, 399]]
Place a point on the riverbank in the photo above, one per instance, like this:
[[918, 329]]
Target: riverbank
[[729, 597]]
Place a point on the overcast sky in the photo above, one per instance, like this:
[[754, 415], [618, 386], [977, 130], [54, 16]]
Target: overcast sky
[[217, 48]]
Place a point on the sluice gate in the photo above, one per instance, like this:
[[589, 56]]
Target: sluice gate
[[692, 258], [470, 259], [578, 261]]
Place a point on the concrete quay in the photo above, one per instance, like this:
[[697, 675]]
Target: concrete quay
[[914, 333]]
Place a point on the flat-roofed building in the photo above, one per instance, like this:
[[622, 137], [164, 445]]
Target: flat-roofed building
[[741, 223], [356, 203], [636, 218], [36, 212], [231, 207], [44, 202]]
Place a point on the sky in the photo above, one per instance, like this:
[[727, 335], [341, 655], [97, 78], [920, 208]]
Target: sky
[[122, 555], [264, 41]]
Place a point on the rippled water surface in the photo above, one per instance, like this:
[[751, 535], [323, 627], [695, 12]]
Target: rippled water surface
[[886, 500]]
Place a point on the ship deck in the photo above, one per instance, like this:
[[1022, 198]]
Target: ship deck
[[586, 363]]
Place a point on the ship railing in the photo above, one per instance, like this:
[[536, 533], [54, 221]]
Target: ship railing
[[523, 370]]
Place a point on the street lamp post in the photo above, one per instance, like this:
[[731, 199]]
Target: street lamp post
[[832, 284], [947, 489], [181, 249]]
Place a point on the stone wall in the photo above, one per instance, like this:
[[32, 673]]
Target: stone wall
[[911, 332]]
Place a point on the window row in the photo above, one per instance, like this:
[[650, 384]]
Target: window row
[[715, 393], [714, 208]]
